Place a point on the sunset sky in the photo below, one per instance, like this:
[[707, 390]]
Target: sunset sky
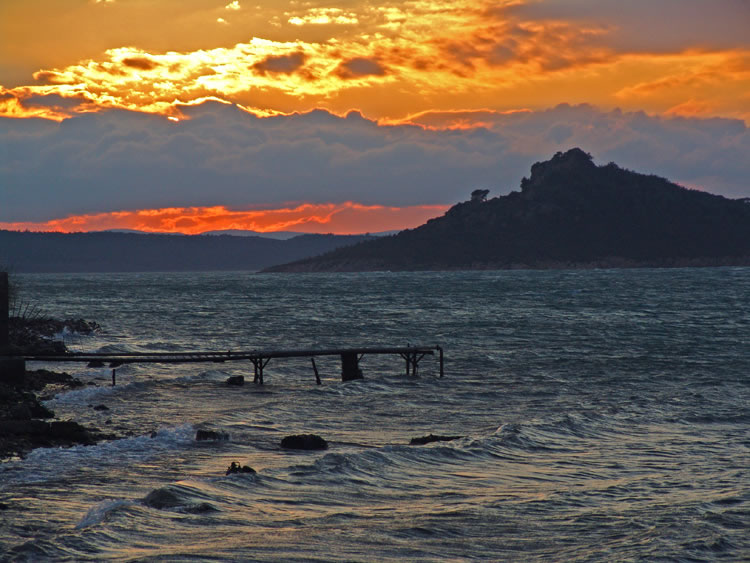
[[351, 116]]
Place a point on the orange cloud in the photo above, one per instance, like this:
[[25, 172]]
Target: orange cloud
[[338, 218], [390, 61]]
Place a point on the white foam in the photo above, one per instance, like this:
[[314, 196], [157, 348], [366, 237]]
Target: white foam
[[99, 512], [82, 396], [44, 464]]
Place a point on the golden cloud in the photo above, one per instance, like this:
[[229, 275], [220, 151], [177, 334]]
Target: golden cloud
[[398, 59]]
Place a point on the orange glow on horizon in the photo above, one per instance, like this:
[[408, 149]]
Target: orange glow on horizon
[[336, 218]]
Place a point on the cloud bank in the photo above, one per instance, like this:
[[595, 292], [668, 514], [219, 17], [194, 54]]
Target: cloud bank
[[223, 156]]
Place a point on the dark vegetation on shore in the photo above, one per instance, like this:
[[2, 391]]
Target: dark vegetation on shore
[[130, 252], [25, 423], [570, 213]]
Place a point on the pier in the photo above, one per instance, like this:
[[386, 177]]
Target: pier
[[13, 363], [350, 358]]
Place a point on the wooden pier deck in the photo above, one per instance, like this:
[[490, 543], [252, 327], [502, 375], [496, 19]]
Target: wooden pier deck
[[350, 358]]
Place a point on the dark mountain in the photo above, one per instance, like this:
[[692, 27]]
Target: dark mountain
[[569, 213], [126, 252]]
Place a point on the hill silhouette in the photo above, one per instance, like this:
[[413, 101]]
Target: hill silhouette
[[129, 252], [568, 213]]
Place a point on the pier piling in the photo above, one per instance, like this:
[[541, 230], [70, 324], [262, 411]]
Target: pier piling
[[4, 312], [315, 369], [12, 370], [350, 367]]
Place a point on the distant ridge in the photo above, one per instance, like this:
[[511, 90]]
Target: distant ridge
[[129, 252], [278, 235], [570, 213]]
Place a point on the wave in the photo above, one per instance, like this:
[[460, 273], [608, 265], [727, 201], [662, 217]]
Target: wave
[[100, 511], [51, 464]]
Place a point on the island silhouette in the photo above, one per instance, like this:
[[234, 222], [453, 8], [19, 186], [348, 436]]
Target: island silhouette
[[570, 213]]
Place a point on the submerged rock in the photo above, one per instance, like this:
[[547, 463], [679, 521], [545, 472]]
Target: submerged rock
[[204, 435], [432, 438], [304, 442], [237, 468], [162, 499], [236, 380]]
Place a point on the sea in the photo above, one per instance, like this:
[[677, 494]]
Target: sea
[[600, 415]]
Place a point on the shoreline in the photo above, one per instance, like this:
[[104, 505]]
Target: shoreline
[[612, 263], [26, 424]]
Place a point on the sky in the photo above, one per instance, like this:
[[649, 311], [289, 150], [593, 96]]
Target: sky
[[352, 116]]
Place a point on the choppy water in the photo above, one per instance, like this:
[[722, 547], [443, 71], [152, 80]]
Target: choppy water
[[606, 416]]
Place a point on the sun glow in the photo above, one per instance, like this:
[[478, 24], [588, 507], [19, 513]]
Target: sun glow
[[338, 218]]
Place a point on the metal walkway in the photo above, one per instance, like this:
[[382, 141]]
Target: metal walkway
[[350, 358]]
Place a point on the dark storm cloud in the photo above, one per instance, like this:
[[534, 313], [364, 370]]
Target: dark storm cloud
[[54, 101], [281, 63], [648, 25], [118, 160], [140, 63], [359, 66]]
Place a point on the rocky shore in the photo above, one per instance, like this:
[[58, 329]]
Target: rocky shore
[[25, 423], [37, 335]]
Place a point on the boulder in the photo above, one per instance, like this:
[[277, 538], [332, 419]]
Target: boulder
[[432, 438], [237, 468], [24, 427], [21, 411], [304, 442], [69, 431], [205, 435], [162, 498], [236, 380], [38, 410], [12, 371]]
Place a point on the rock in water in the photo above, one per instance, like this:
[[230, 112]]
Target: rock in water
[[236, 380], [237, 468], [70, 431], [162, 498], [304, 442], [432, 438], [202, 435]]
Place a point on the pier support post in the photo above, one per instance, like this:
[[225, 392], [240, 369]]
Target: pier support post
[[12, 370], [315, 369], [259, 364], [350, 367], [4, 314]]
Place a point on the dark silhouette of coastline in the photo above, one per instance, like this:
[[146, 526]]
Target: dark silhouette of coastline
[[570, 213], [129, 252]]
